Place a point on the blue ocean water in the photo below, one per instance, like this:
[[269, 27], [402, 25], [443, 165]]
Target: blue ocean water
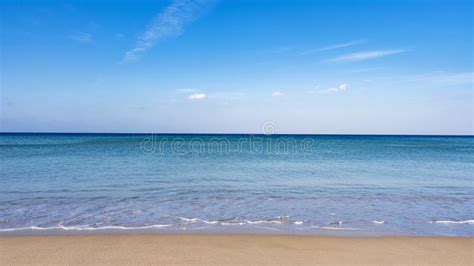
[[290, 184]]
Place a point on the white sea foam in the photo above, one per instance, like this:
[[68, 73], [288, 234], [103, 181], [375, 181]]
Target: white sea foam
[[454, 222], [378, 222], [264, 222], [231, 223], [210, 222], [192, 220], [28, 228], [85, 228], [298, 222], [279, 220], [337, 228]]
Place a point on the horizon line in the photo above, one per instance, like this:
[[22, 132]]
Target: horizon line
[[256, 134]]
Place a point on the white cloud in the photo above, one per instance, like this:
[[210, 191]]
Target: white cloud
[[277, 94], [197, 96], [170, 22], [82, 37], [361, 56], [340, 88], [186, 90], [334, 46]]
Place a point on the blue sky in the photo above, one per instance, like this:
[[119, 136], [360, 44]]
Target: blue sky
[[378, 67]]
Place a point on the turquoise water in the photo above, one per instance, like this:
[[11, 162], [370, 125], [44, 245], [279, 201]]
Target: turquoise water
[[320, 184]]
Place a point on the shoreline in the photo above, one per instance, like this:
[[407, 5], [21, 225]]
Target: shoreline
[[328, 230], [234, 249]]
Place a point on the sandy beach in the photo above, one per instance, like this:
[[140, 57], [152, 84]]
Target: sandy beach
[[234, 249]]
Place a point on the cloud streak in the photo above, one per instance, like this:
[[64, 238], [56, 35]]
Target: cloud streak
[[186, 90], [362, 56], [197, 96], [169, 23], [334, 47], [341, 45], [340, 88]]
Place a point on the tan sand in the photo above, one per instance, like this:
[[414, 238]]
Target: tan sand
[[234, 249]]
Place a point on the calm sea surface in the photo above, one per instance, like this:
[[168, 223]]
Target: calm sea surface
[[349, 185]]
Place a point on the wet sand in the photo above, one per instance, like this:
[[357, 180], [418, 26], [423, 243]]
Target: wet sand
[[234, 249]]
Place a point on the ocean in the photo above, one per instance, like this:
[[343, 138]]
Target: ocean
[[269, 184]]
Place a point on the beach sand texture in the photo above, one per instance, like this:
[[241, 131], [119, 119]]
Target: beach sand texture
[[234, 249]]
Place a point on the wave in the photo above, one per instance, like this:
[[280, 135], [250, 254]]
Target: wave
[[454, 222], [85, 228], [233, 221], [217, 222], [337, 228], [210, 222], [226, 222], [265, 222], [192, 220]]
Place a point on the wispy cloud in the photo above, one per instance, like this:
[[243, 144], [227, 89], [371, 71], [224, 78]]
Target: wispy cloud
[[169, 23], [82, 37], [340, 88], [333, 47], [277, 94], [443, 78], [314, 91], [186, 90], [362, 56], [197, 96]]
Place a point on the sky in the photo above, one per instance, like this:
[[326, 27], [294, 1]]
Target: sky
[[209, 66]]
